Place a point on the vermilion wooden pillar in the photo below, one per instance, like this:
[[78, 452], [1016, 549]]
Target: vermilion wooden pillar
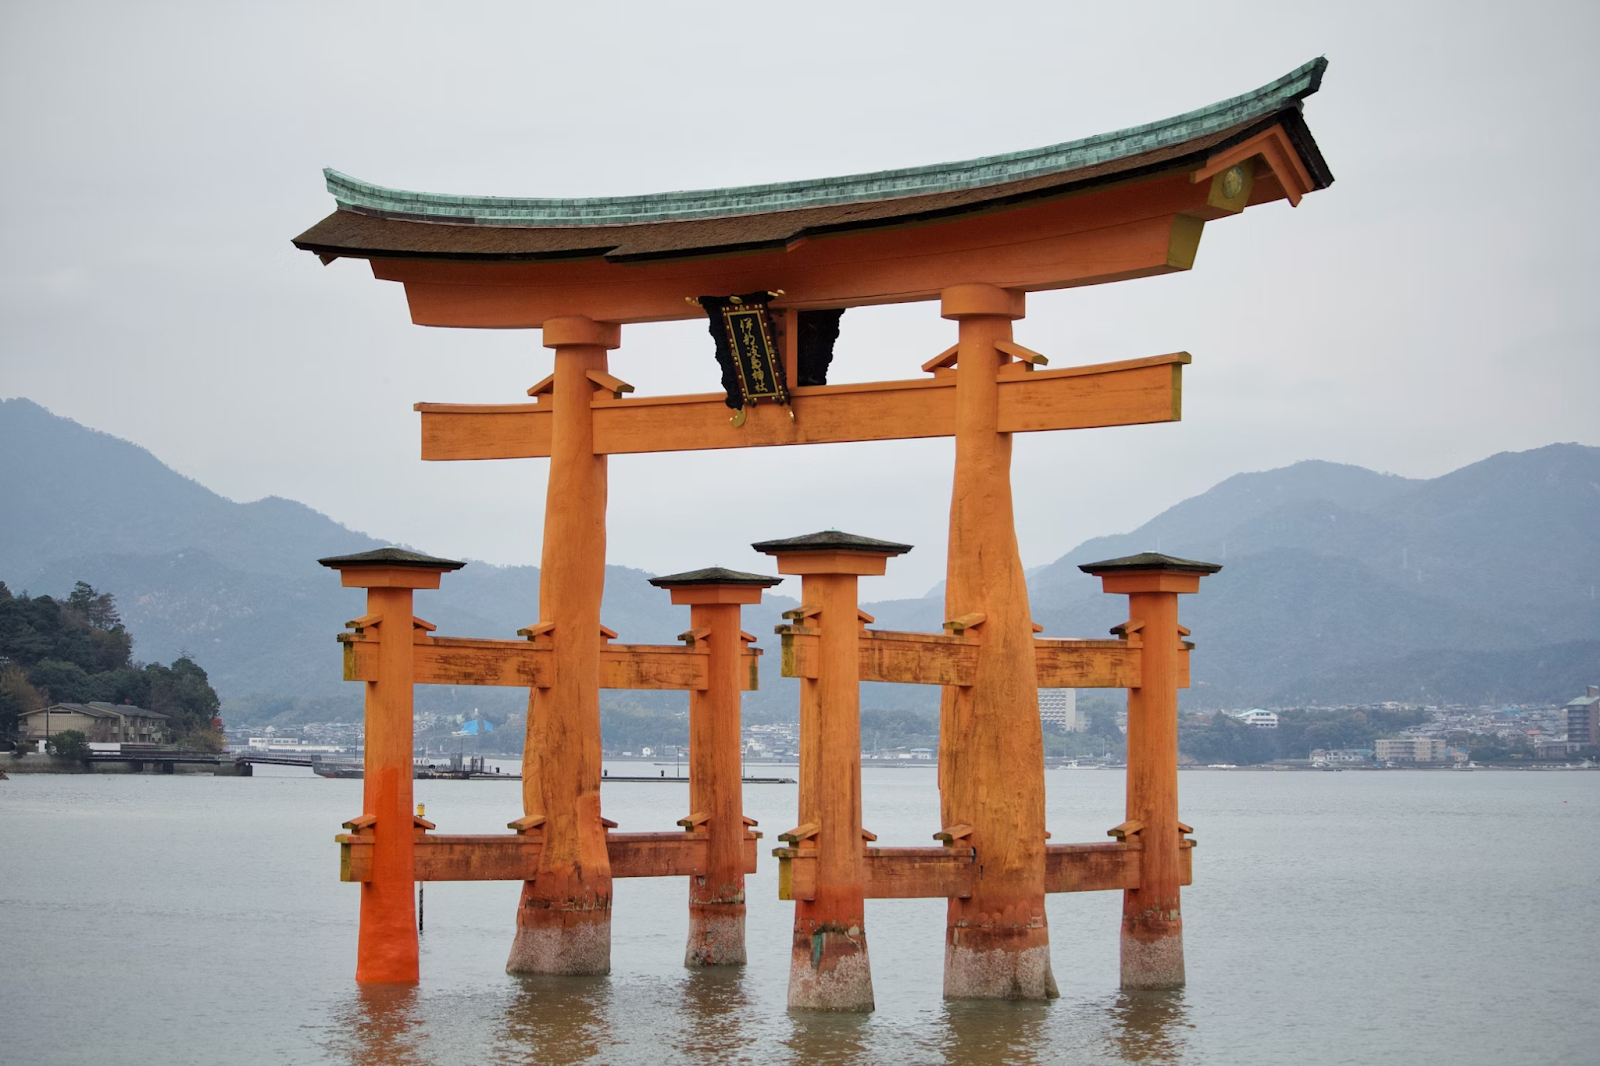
[[991, 744], [716, 901], [1152, 920], [387, 942], [828, 964], [564, 917]]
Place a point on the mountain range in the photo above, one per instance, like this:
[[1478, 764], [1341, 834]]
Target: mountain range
[[1339, 585]]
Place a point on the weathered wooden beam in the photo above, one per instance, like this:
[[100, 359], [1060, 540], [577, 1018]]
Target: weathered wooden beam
[[529, 664], [911, 873], [937, 659], [1124, 393], [515, 856], [459, 661], [1086, 663]]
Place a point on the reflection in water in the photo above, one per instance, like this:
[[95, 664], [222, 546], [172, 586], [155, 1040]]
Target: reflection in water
[[556, 1020], [1150, 1026], [380, 1026], [829, 1037], [995, 1031], [715, 1016]]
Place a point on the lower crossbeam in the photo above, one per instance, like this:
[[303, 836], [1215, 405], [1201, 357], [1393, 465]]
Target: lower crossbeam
[[913, 873], [515, 857]]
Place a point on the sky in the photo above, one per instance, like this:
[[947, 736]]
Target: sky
[[1436, 305]]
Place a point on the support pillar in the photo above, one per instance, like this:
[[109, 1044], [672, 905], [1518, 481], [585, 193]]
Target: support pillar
[[1152, 920], [828, 964], [564, 916], [386, 949], [991, 744], [716, 789]]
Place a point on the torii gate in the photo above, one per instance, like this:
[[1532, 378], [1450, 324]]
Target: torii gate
[[977, 236]]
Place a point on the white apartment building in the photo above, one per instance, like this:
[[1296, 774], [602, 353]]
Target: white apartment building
[[1060, 707], [1257, 718], [1412, 749]]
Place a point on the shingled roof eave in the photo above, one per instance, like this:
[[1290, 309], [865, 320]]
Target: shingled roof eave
[[591, 212], [1005, 198]]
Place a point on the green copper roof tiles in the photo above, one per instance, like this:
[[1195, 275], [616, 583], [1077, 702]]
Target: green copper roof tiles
[[1284, 93]]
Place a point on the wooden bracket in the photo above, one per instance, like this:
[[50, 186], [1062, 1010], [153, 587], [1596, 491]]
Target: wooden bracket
[[952, 833], [748, 638], [945, 360], [747, 820], [864, 618], [526, 824], [801, 613], [358, 624], [537, 631], [419, 822], [608, 823], [693, 636], [1027, 356], [1274, 148], [800, 832], [868, 835], [1127, 829], [614, 385], [1037, 628], [544, 387], [958, 626], [607, 634], [360, 822], [698, 818]]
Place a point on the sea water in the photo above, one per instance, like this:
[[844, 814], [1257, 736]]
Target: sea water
[[1356, 917]]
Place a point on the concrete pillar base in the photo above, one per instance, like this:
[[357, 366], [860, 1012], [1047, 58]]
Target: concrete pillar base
[[567, 942], [1152, 954], [996, 970], [716, 935], [830, 971]]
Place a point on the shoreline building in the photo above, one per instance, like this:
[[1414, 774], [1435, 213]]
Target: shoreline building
[[1411, 750], [101, 723], [1256, 718], [1059, 707], [1583, 720]]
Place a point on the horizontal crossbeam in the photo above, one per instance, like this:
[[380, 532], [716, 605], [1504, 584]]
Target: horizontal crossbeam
[[1132, 392], [531, 664], [937, 659], [515, 856], [911, 873]]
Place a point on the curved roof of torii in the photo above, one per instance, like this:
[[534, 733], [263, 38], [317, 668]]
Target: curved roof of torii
[[376, 222]]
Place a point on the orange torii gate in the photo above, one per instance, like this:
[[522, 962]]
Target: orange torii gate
[[977, 236]]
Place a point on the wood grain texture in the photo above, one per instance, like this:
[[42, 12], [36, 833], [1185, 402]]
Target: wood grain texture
[[1129, 392]]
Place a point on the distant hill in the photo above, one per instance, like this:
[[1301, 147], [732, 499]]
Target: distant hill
[[1334, 575], [1339, 584], [238, 585]]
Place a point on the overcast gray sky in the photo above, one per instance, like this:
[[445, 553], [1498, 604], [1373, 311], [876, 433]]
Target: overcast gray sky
[[1436, 305]]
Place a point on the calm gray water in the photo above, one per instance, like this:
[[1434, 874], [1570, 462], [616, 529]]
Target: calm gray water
[[1336, 918]]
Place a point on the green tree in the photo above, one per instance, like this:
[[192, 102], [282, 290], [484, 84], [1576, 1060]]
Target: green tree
[[17, 698], [69, 744]]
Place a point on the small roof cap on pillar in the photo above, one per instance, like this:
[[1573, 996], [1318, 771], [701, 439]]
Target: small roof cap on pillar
[[714, 575], [831, 541], [1149, 561], [390, 557]]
